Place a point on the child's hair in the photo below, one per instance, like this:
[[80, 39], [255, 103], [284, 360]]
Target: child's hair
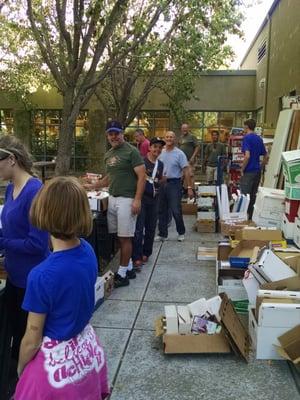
[[61, 207], [13, 146]]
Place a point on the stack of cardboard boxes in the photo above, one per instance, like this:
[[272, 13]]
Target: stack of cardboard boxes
[[269, 207], [206, 203], [291, 217]]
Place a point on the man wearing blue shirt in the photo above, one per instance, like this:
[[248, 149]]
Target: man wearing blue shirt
[[253, 148]]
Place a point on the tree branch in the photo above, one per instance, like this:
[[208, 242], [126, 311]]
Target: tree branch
[[77, 20], [61, 16], [46, 51]]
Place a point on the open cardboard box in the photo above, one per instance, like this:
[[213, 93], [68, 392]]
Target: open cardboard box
[[246, 251], [292, 261], [258, 233], [228, 228], [290, 345], [288, 285], [189, 209], [233, 335]]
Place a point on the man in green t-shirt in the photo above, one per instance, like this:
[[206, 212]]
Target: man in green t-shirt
[[212, 152], [126, 179], [189, 144]]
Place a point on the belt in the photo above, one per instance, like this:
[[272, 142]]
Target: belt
[[173, 179]]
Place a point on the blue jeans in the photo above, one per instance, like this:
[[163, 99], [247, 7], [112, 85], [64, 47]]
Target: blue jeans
[[145, 228], [170, 195]]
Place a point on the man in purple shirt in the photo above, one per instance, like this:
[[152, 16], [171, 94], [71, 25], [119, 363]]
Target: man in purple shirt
[[253, 148], [143, 143]]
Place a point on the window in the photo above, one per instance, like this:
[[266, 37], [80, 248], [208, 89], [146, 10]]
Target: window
[[261, 51], [6, 121], [45, 136], [154, 123]]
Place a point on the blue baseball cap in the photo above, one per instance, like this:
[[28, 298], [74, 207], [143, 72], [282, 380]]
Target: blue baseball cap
[[114, 126]]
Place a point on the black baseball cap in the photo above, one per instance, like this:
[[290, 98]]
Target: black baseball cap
[[114, 126], [157, 140]]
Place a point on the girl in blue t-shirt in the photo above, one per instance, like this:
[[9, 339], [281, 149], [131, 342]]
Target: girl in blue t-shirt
[[23, 245], [60, 355]]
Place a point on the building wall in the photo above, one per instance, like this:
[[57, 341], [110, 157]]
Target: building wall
[[284, 63], [214, 91], [217, 91], [281, 65]]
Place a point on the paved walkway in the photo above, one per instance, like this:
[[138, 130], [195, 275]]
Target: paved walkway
[[139, 370]]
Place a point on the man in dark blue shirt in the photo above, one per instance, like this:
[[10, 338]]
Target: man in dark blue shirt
[[253, 148]]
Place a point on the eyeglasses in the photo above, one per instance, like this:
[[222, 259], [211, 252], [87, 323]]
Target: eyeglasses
[[3, 155]]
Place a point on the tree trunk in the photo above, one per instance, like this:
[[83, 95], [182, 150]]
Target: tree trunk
[[66, 136], [96, 140]]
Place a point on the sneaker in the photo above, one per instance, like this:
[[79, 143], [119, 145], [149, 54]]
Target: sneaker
[[145, 259], [137, 265], [160, 239], [131, 274], [180, 238], [119, 281]]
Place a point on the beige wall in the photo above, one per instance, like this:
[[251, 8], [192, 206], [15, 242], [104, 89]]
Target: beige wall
[[215, 91], [282, 68], [284, 64]]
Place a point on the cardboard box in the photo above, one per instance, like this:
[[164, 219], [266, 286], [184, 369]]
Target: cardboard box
[[291, 209], [258, 233], [231, 281], [233, 334], [246, 250], [296, 234], [289, 284], [207, 190], [278, 313], [290, 345], [108, 278], [206, 201], [287, 227], [291, 166], [189, 209], [292, 191], [184, 320], [271, 267], [224, 249], [269, 203], [234, 293], [171, 319], [293, 262], [264, 338], [205, 226], [207, 253], [208, 215], [228, 228], [99, 292], [260, 220], [98, 201]]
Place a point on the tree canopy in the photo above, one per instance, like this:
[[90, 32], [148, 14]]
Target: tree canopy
[[106, 47]]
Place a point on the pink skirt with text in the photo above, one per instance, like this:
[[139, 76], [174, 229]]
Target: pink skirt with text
[[74, 369]]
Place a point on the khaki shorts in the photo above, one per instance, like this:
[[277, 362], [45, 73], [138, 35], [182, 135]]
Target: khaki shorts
[[120, 219], [211, 174]]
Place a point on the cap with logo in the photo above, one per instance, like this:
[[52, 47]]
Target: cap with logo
[[114, 126]]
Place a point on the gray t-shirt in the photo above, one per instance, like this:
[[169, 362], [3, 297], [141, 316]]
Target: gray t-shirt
[[174, 162], [213, 151]]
